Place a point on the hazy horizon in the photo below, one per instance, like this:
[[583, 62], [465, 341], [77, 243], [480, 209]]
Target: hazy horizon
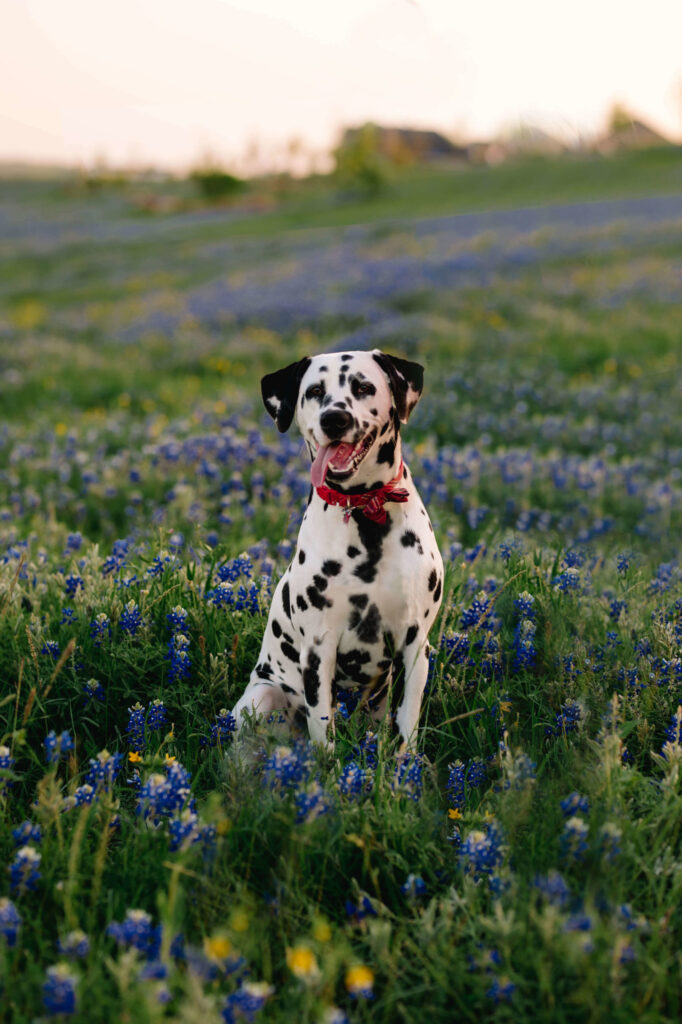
[[144, 83]]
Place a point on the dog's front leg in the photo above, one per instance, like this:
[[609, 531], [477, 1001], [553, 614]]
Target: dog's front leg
[[413, 663], [318, 664]]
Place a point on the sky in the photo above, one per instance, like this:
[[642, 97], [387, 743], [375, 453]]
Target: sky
[[171, 82]]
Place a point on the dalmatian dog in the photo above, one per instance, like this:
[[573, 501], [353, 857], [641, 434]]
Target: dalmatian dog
[[355, 605]]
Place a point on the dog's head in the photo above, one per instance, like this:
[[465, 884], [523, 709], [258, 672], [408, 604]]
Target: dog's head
[[348, 406]]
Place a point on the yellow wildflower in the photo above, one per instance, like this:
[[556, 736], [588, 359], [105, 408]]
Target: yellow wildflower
[[219, 947], [302, 962], [360, 980]]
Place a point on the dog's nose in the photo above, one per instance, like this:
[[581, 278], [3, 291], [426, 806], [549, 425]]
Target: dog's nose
[[335, 423]]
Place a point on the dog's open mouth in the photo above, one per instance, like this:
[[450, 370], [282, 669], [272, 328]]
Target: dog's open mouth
[[339, 459]]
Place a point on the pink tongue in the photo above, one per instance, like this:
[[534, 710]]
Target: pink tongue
[[337, 454]]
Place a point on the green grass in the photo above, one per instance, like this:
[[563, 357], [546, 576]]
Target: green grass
[[545, 445], [435, 192]]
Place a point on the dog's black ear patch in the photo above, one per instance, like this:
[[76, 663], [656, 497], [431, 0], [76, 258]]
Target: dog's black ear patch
[[406, 380], [280, 392]]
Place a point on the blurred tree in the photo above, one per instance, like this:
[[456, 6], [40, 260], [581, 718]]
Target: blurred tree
[[215, 183], [619, 118], [359, 164]]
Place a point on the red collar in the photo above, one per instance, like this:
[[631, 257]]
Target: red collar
[[371, 502]]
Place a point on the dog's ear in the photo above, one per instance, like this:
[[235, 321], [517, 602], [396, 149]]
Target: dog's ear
[[280, 392], [406, 380]]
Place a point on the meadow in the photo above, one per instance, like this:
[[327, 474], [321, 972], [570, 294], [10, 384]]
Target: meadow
[[526, 863]]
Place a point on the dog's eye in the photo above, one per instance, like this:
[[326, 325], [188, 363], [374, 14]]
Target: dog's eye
[[365, 388], [315, 391]]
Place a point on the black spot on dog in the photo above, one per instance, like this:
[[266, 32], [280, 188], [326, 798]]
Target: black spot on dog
[[383, 429], [359, 600], [301, 557], [331, 568], [387, 452], [302, 603], [404, 473], [411, 635], [317, 599], [264, 671], [287, 689], [289, 652], [368, 629], [323, 369], [352, 551], [320, 582], [433, 579], [276, 628], [374, 412], [410, 540], [342, 380], [289, 639], [311, 679], [437, 592], [349, 667], [286, 600], [372, 537]]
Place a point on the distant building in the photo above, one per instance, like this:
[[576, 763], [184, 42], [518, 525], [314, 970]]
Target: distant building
[[634, 135], [408, 145]]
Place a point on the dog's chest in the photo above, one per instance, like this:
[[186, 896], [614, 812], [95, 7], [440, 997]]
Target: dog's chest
[[360, 580]]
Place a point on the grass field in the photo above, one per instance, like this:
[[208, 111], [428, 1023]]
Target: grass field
[[527, 864]]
